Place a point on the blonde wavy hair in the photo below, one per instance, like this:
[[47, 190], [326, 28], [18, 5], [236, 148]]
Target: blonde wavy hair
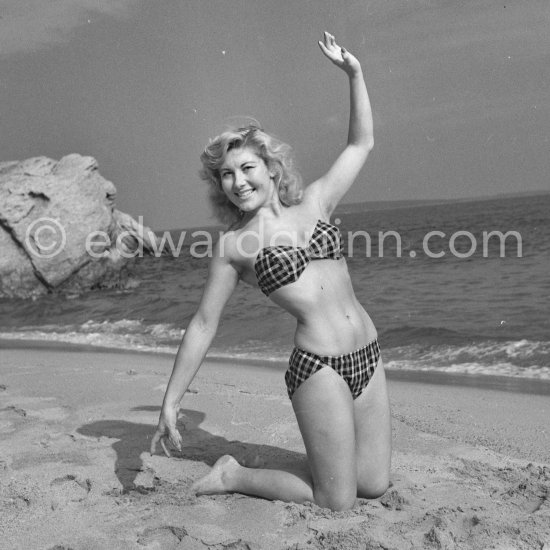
[[276, 155]]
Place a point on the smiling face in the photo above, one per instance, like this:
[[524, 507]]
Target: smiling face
[[246, 180]]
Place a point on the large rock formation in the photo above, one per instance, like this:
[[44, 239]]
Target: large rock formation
[[60, 231]]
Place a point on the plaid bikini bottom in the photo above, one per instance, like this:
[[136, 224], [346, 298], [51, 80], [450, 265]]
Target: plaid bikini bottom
[[356, 368]]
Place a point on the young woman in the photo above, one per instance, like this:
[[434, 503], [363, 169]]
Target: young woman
[[282, 242]]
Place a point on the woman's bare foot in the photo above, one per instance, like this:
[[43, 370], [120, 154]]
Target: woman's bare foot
[[218, 480]]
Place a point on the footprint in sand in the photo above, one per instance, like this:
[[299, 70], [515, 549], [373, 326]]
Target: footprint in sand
[[69, 488], [528, 487], [17, 410], [12, 417], [165, 537]]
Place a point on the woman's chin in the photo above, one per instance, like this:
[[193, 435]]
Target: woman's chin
[[248, 206]]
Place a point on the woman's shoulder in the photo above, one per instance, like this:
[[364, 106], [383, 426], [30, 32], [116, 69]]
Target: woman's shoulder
[[237, 243]]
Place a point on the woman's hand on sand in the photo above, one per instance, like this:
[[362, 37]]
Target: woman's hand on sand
[[166, 430], [339, 55]]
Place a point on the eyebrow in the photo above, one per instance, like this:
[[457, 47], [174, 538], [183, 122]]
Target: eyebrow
[[251, 161]]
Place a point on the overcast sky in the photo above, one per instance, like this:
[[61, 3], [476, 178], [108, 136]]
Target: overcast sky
[[460, 91]]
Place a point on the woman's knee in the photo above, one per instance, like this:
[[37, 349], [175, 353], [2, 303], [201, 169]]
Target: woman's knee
[[335, 500], [373, 486]]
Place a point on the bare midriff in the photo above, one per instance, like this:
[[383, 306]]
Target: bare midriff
[[330, 320]]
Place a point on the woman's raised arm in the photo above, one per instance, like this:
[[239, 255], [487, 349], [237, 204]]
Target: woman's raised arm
[[220, 284], [330, 188]]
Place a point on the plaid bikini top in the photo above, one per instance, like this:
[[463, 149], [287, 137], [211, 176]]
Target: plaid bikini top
[[277, 266]]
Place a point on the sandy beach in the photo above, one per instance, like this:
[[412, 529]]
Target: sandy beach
[[470, 469]]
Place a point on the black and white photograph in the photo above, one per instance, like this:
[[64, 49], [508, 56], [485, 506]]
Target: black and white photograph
[[274, 274]]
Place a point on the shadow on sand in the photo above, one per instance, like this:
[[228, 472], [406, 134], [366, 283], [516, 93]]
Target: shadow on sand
[[199, 445]]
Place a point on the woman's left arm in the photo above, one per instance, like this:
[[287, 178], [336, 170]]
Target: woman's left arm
[[330, 188]]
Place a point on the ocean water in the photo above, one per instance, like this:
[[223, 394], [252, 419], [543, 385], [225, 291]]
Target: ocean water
[[472, 309]]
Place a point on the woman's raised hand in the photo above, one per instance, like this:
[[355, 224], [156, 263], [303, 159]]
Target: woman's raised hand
[[339, 55], [166, 429]]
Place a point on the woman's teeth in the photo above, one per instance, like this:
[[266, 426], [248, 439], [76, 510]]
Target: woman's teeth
[[245, 194]]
